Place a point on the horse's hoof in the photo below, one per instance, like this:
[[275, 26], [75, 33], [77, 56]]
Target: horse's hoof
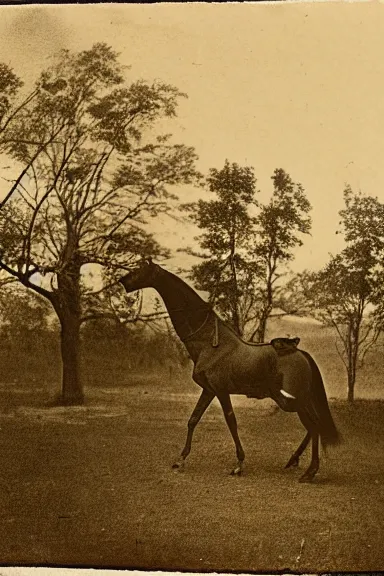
[[292, 464], [178, 466], [306, 479], [237, 471]]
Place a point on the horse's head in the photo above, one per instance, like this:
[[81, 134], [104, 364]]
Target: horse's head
[[141, 277]]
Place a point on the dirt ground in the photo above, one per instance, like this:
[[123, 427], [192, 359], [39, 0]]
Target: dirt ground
[[93, 486]]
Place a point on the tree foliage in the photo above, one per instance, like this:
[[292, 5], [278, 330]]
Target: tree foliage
[[227, 270], [103, 171], [246, 244]]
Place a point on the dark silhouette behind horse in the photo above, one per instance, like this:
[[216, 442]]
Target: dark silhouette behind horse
[[224, 364]]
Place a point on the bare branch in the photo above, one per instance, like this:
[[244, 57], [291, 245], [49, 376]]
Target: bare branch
[[27, 167]]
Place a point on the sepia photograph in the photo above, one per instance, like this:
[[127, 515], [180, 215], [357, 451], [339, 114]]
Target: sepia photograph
[[192, 287]]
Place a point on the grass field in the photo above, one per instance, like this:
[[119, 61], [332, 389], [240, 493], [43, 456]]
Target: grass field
[[93, 486]]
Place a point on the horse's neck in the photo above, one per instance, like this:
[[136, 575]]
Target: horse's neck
[[185, 307], [176, 293]]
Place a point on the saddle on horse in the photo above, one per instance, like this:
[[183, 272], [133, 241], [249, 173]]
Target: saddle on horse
[[285, 345]]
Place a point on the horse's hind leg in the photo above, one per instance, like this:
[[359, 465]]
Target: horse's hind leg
[[309, 422], [309, 474], [294, 459], [201, 406], [230, 418]]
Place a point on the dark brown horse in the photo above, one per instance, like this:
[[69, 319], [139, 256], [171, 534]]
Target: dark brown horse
[[224, 364]]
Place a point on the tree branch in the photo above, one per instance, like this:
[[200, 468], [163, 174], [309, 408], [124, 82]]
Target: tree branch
[[24, 279]]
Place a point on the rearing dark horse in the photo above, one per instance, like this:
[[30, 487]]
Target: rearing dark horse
[[224, 364]]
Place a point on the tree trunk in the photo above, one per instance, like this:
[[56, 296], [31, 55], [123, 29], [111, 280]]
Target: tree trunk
[[235, 291], [351, 371], [68, 309], [265, 312], [236, 320], [351, 386], [262, 327], [267, 306], [72, 390], [353, 349]]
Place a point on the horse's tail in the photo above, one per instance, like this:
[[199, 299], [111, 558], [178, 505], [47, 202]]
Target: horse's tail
[[328, 432]]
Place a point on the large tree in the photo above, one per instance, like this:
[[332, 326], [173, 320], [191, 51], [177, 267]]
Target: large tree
[[227, 271], [84, 199], [246, 244]]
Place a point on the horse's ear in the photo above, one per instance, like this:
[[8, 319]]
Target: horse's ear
[[149, 260]]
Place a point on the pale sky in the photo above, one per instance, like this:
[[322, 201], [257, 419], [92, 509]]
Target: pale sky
[[291, 85]]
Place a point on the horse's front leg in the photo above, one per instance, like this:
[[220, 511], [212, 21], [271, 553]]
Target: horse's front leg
[[230, 418], [201, 406]]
